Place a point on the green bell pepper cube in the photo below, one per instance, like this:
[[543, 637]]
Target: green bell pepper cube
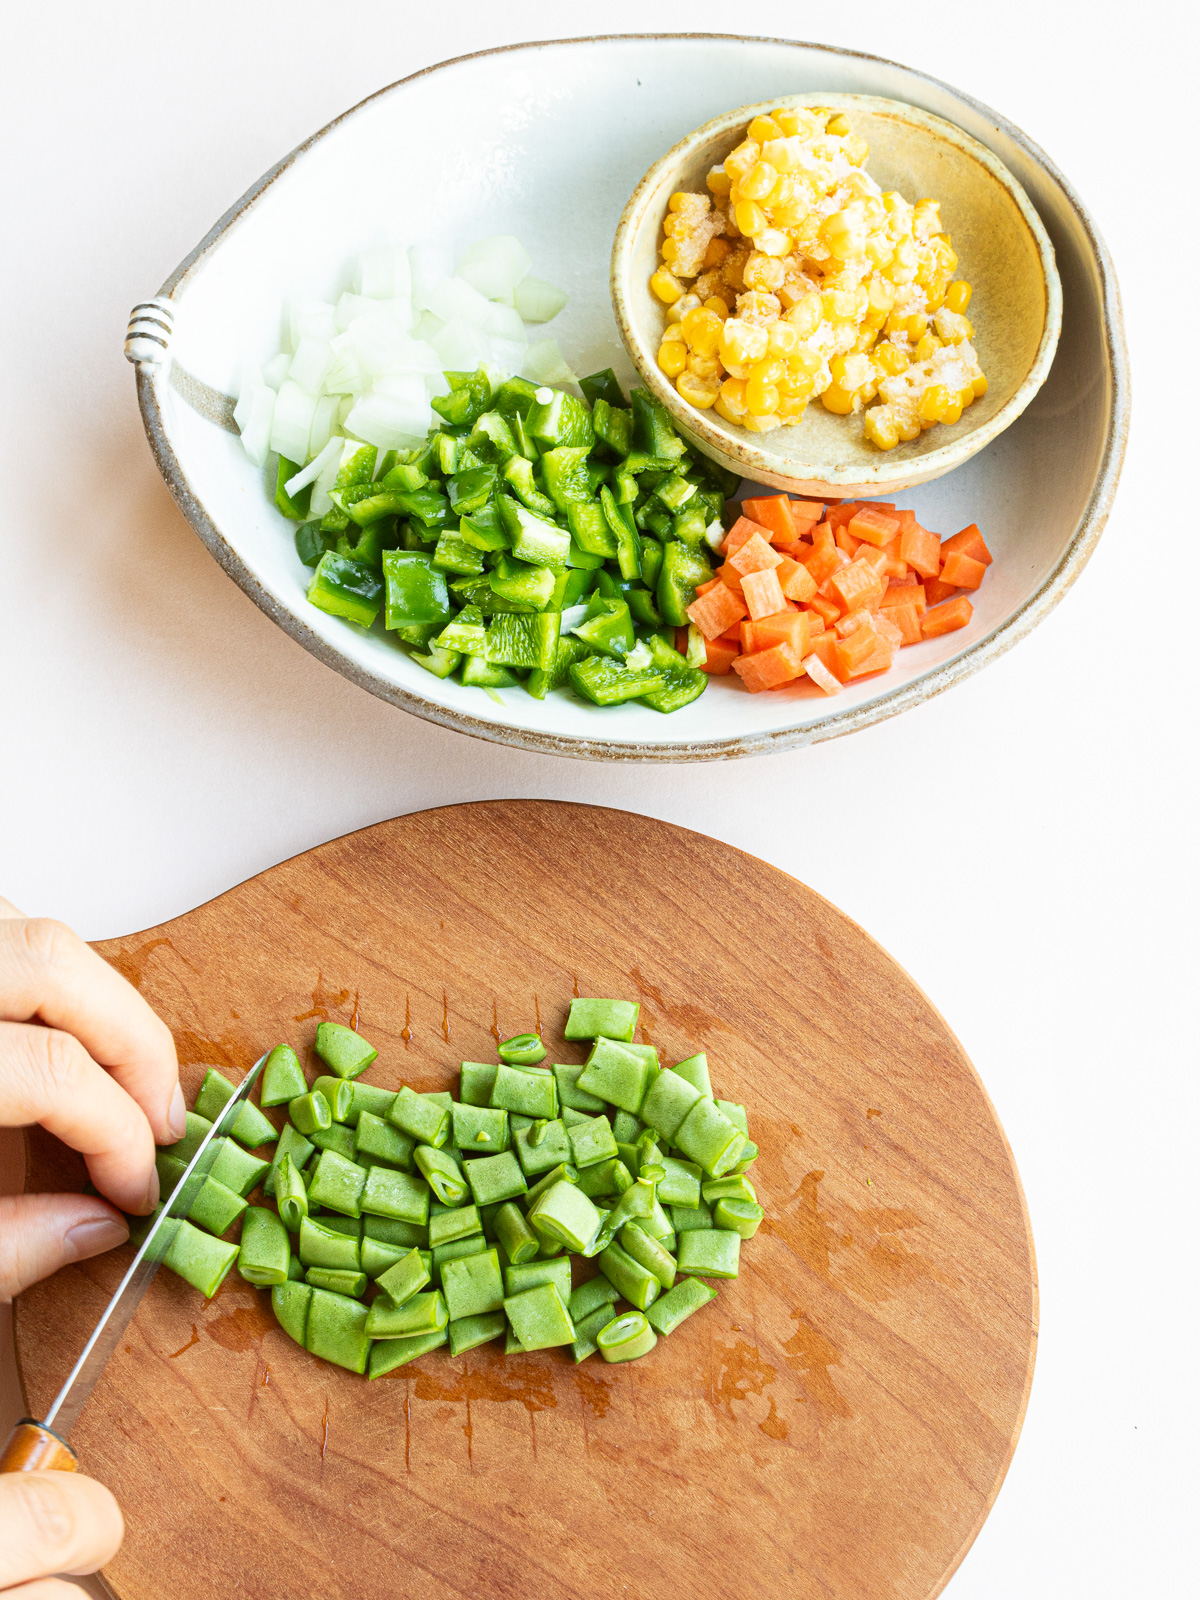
[[282, 1077], [529, 1274], [264, 1251], [743, 1217], [336, 1330], [608, 628], [682, 571], [416, 591], [311, 1112], [294, 507], [339, 1138], [685, 1219], [590, 530], [669, 1100], [711, 1252], [675, 491], [333, 522], [529, 641], [573, 584], [473, 1284], [614, 425], [616, 1073], [564, 1215], [681, 1186], [688, 1295], [440, 454], [690, 526], [516, 1237], [311, 543], [566, 1076], [626, 1338], [567, 652], [442, 1173], [344, 1052], [592, 1141], [602, 386], [356, 467], [565, 471], [652, 560], [682, 685], [199, 1259], [421, 1117], [388, 1354], [476, 1081], [495, 1178], [532, 1093], [448, 1226], [606, 683], [290, 1302], [471, 491], [236, 1168], [453, 554], [608, 1019], [465, 632], [529, 586], [558, 418], [539, 1153], [346, 588], [539, 1318], [492, 436], [252, 1128], [338, 1184], [338, 1280], [480, 674], [586, 1328], [580, 560], [642, 608], [535, 539], [291, 1143], [402, 1196], [515, 396], [484, 530], [291, 1195], [421, 1313], [441, 663], [591, 1297], [404, 477], [468, 1332], [517, 473], [382, 1144], [215, 1207], [695, 1070], [479, 1129], [469, 397], [406, 1277], [632, 1281], [629, 554], [648, 1253], [707, 1136], [653, 431]]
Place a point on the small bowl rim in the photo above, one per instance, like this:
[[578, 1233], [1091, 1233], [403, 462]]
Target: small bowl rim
[[580, 746], [743, 454]]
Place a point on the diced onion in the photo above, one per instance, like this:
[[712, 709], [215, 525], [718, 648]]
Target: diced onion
[[324, 418], [697, 653], [507, 354], [639, 657], [715, 533], [311, 319], [428, 264], [537, 300], [395, 413], [345, 376], [257, 419], [495, 266], [544, 363], [385, 274], [461, 346], [426, 326], [312, 361], [314, 469], [292, 422], [453, 299], [570, 618], [504, 322], [276, 370]]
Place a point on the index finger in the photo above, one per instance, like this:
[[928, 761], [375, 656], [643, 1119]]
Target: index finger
[[48, 974]]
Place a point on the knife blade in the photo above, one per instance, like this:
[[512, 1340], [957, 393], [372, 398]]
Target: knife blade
[[42, 1445]]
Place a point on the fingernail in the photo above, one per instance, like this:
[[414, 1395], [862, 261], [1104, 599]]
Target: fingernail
[[177, 1116], [91, 1237], [151, 1193]]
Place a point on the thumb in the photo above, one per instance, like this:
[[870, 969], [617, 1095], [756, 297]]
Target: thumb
[[41, 1232]]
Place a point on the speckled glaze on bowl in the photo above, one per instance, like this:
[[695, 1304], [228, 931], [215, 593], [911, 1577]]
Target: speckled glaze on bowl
[[548, 141], [1003, 251]]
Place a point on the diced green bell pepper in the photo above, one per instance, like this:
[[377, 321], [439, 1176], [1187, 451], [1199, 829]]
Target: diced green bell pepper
[[629, 555], [568, 651], [517, 473], [653, 430], [492, 435], [565, 471], [516, 580], [416, 591], [514, 397], [682, 571], [311, 543], [469, 397], [535, 539], [559, 420], [484, 530], [682, 684], [456, 555], [470, 491], [343, 587], [441, 663], [465, 632], [602, 386], [606, 683], [652, 560], [609, 629], [528, 641], [477, 673], [294, 507], [614, 425], [590, 530]]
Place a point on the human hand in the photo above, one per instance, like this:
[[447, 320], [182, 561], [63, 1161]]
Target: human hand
[[84, 1055], [53, 1522]]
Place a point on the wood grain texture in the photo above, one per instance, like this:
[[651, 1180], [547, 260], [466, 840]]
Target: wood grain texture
[[836, 1424]]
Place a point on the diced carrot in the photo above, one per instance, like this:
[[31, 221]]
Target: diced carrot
[[945, 619], [766, 669], [823, 647], [908, 620], [858, 585], [762, 592], [785, 627], [847, 542], [756, 555], [936, 591], [851, 622], [730, 577], [775, 514], [816, 623], [906, 519], [862, 652], [968, 543], [717, 610], [899, 595], [885, 627], [873, 526], [720, 654], [823, 561], [921, 549], [742, 530], [839, 516], [795, 579], [820, 674], [964, 572], [733, 635], [703, 588], [805, 513], [828, 610]]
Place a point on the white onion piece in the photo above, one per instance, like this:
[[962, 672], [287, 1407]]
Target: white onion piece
[[352, 306], [436, 384], [323, 421], [454, 299], [504, 322], [321, 501], [378, 343], [345, 376], [309, 474], [639, 657], [257, 418], [495, 266], [310, 319], [537, 300], [312, 361], [384, 274], [428, 264], [251, 379], [293, 420], [461, 347], [276, 370], [544, 363], [507, 355], [715, 533], [426, 326], [396, 412]]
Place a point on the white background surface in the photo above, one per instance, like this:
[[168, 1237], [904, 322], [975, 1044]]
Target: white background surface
[[1024, 845]]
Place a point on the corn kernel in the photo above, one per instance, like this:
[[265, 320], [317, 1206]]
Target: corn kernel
[[795, 385], [769, 370], [750, 217], [719, 182], [742, 342], [837, 124], [838, 305], [718, 307], [856, 149], [717, 250], [783, 339], [845, 234], [935, 403], [881, 296], [764, 128], [914, 326], [766, 424], [673, 334], [672, 357], [792, 406], [772, 242], [736, 418], [763, 272], [805, 315], [698, 392], [980, 386], [903, 266], [759, 181], [880, 429], [670, 251], [740, 161], [755, 306], [889, 359], [702, 330], [838, 400], [796, 123], [680, 308], [926, 345], [666, 287], [807, 361], [733, 395], [705, 366], [761, 398], [783, 154]]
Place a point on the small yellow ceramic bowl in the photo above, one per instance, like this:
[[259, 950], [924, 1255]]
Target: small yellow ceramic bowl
[[1003, 252]]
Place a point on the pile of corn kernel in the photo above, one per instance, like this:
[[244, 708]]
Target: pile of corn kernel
[[799, 278]]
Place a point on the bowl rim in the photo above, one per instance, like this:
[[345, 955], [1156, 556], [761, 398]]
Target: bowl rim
[[886, 473], [581, 746]]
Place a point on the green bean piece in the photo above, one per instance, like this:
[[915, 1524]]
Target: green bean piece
[[282, 1077], [320, 1246], [669, 1101], [295, 1268], [523, 1049], [402, 1196], [369, 1097], [649, 1154], [686, 1218], [630, 1157], [442, 1173], [748, 1157], [627, 1129], [531, 1273], [532, 1093], [476, 1083], [633, 1281], [648, 1253], [377, 1257], [236, 1168], [290, 1302], [421, 1117], [604, 1178], [442, 1098], [200, 1259], [680, 1185], [388, 1354], [408, 1277], [468, 1332], [695, 1070], [264, 1252], [657, 1224], [592, 1141], [336, 1330], [170, 1169], [291, 1143], [352, 1227], [215, 1207], [343, 1051], [743, 1217], [251, 1128], [383, 1144], [591, 1296], [553, 1150], [391, 1231], [609, 1019], [340, 1138], [517, 1238], [459, 1223], [586, 1329], [637, 1201], [339, 1280], [340, 1094], [711, 1252], [555, 1175], [473, 1284], [421, 1313], [291, 1197], [512, 1345], [478, 1128], [540, 1318], [564, 1215], [736, 1114], [310, 1112], [184, 1149], [626, 1338], [729, 1188], [536, 1132], [338, 1184], [570, 1095], [707, 1136], [571, 1118], [476, 1245], [616, 1073]]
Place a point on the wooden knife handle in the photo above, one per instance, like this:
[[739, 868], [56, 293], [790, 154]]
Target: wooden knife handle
[[32, 1448]]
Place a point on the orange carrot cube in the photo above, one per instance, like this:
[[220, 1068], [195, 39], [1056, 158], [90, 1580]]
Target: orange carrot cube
[[873, 526], [921, 549], [755, 555], [762, 593], [945, 619], [908, 620], [820, 674], [774, 513], [767, 669], [730, 577], [827, 609], [857, 585], [742, 530], [703, 588], [968, 543], [720, 654], [785, 627], [936, 591], [717, 610], [796, 581], [963, 571]]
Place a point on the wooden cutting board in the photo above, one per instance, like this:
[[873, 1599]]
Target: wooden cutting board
[[835, 1425]]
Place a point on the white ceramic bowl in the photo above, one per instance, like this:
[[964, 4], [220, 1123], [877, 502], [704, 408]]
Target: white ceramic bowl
[[548, 141]]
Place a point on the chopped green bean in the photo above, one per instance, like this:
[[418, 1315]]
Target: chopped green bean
[[251, 1128], [421, 1117], [340, 1280], [633, 1281], [495, 1178], [336, 1330], [609, 1019], [199, 1258], [442, 1173], [616, 1073], [648, 1253], [264, 1251], [408, 1277], [338, 1184], [236, 1168], [523, 1049], [282, 1077], [741, 1216], [420, 1313], [516, 1237], [291, 1197], [383, 1144], [345, 1052], [695, 1070], [339, 1092], [540, 1318], [215, 1207], [310, 1113], [707, 1136], [388, 1354], [586, 1329], [468, 1332], [570, 1095], [401, 1196], [291, 1143], [531, 1094], [459, 1223], [626, 1338], [321, 1246], [290, 1302], [711, 1252]]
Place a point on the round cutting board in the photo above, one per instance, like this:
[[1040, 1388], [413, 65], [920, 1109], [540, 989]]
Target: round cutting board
[[836, 1424]]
